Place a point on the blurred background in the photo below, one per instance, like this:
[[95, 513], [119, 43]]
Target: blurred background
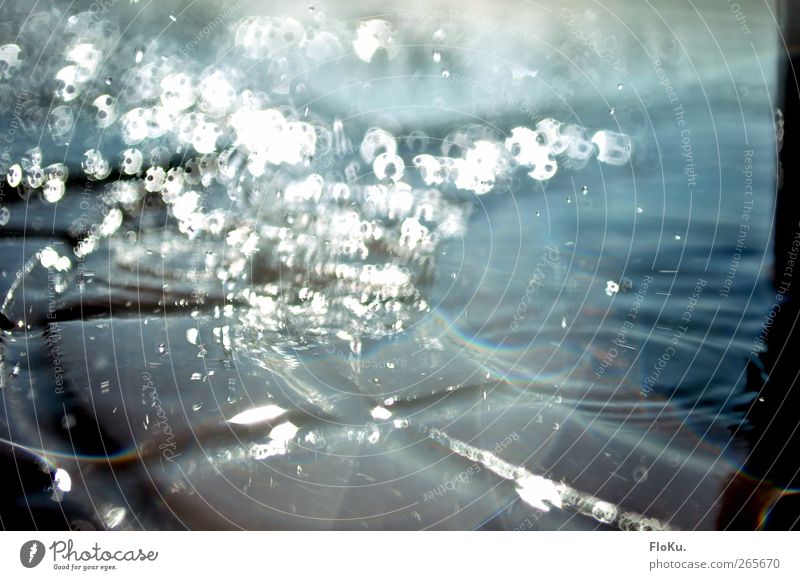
[[364, 266]]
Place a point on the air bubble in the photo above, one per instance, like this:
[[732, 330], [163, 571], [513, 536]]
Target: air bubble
[[95, 166], [131, 161], [604, 512], [32, 159], [69, 86], [216, 95], [14, 175], [86, 58], [114, 517], [34, 178], [373, 36], [68, 421], [54, 190], [549, 134], [177, 92], [134, 126], [9, 61], [388, 166], [612, 148], [106, 111], [527, 148], [578, 148], [154, 179], [322, 47], [611, 288], [430, 169], [377, 141], [417, 141], [173, 184]]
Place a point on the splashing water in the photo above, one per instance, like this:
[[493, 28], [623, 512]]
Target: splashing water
[[293, 214], [275, 187]]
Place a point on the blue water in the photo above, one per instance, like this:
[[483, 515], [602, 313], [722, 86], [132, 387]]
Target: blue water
[[592, 329]]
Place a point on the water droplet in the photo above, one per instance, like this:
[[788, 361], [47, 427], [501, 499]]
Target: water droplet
[[612, 148], [381, 413], [538, 213], [138, 55], [14, 175], [109, 80], [162, 349], [585, 189], [62, 480], [114, 517], [676, 237], [173, 17], [373, 36], [388, 166], [437, 56], [68, 421], [612, 111], [639, 210], [445, 73], [569, 199], [604, 512], [191, 335], [620, 86], [640, 474], [5, 215]]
